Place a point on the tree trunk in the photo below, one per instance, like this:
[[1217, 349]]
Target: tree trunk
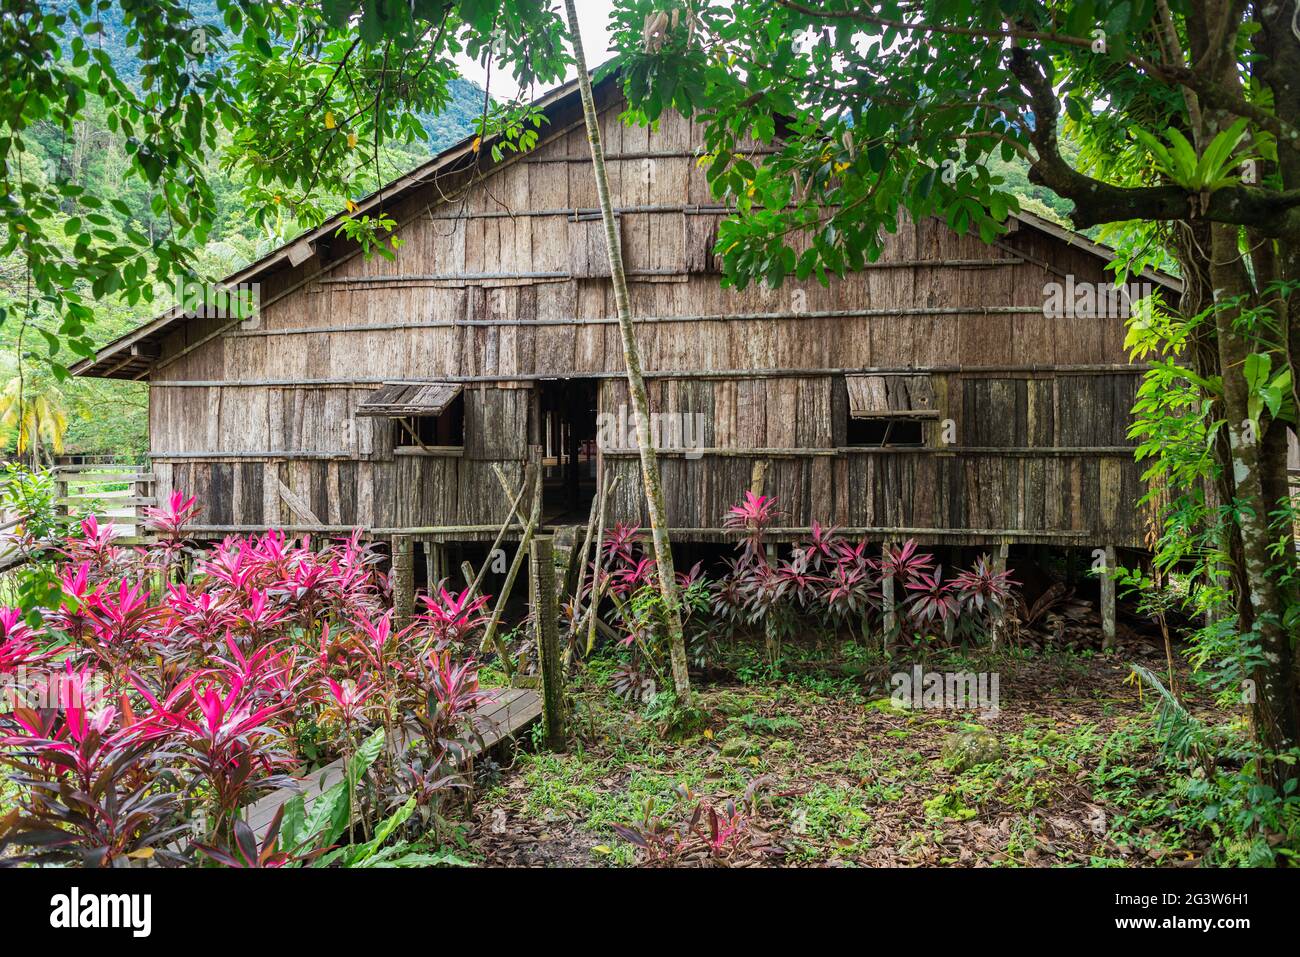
[[636, 383], [1255, 462]]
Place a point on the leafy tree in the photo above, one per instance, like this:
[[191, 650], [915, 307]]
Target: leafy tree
[[297, 101], [1187, 114]]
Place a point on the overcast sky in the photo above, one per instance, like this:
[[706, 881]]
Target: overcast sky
[[594, 17]]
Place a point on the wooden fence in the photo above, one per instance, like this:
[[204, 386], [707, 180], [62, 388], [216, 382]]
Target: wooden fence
[[116, 492]]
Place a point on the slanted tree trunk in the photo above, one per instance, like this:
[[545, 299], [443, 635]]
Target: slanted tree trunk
[[654, 492], [1256, 463], [1257, 449]]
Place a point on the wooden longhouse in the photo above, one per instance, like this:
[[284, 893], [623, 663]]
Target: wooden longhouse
[[927, 396]]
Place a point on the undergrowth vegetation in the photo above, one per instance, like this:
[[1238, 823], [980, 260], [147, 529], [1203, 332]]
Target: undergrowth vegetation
[[153, 693], [808, 769]]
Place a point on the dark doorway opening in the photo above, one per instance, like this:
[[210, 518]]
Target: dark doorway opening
[[567, 434]]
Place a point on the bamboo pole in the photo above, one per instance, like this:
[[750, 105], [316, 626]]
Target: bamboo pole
[[597, 586], [578, 571], [490, 638], [635, 381], [505, 486], [496, 543]]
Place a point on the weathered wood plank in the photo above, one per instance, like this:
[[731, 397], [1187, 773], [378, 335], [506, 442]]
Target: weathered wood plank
[[511, 711]]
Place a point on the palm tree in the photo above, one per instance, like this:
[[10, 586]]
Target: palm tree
[[36, 410]]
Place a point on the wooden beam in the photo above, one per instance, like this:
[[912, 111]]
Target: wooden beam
[[297, 504], [1108, 598], [691, 374], [545, 614]]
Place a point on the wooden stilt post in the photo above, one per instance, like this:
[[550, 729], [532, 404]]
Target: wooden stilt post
[[1000, 619], [1108, 598], [430, 570], [441, 563], [403, 580], [888, 611], [548, 641], [60, 495], [952, 558]]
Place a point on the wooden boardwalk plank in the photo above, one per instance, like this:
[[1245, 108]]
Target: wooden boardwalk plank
[[511, 711]]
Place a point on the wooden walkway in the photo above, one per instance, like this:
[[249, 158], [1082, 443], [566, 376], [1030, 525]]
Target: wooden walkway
[[512, 710]]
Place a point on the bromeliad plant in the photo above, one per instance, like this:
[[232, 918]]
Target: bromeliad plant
[[154, 698]]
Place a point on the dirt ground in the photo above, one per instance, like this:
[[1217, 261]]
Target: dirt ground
[[845, 778]]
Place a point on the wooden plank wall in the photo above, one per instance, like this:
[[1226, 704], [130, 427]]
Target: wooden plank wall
[[963, 498], [488, 289]]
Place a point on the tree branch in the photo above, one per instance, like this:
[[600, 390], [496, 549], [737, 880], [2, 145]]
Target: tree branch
[[1095, 201]]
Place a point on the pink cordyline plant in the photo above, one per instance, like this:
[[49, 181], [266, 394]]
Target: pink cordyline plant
[[983, 588], [255, 618], [59, 735], [932, 598], [753, 516], [821, 551], [453, 693], [168, 523], [452, 618], [217, 727], [637, 575], [904, 562], [620, 543], [850, 591], [83, 785], [71, 617], [170, 520], [796, 581], [200, 615], [261, 670], [376, 639], [94, 545], [18, 643], [350, 698], [122, 628]]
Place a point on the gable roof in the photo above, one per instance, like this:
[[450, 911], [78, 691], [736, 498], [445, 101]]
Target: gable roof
[[131, 355]]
